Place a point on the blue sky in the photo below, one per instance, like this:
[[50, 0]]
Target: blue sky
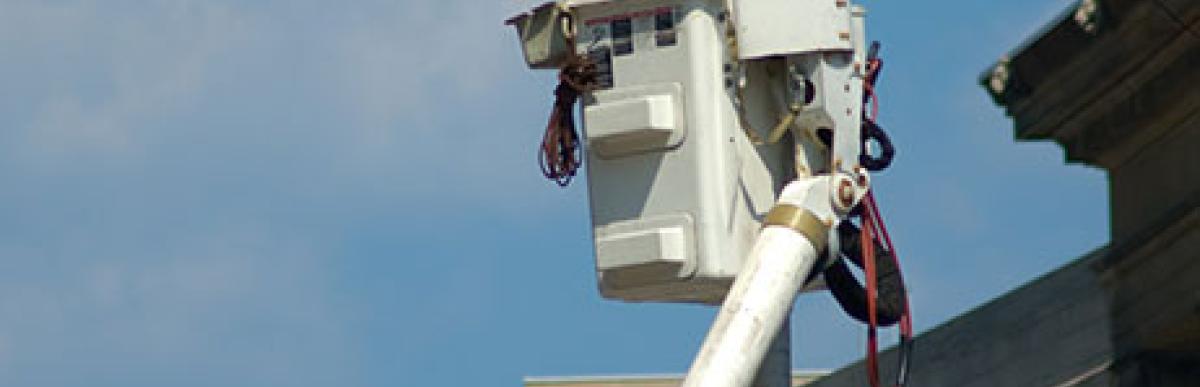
[[300, 193]]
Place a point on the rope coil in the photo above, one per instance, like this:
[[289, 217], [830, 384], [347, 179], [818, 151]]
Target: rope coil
[[559, 156]]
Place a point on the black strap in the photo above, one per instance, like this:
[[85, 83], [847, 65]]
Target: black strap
[[851, 295]]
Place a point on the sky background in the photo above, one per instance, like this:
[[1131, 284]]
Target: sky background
[[301, 193]]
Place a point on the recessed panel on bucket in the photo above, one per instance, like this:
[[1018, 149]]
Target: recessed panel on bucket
[[781, 27]]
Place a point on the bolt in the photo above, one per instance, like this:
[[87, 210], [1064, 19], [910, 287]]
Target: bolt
[[842, 3], [845, 193]]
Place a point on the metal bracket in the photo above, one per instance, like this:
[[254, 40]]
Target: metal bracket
[[800, 220]]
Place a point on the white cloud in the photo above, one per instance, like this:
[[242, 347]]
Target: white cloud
[[439, 84], [409, 93], [160, 154], [401, 61], [103, 71]]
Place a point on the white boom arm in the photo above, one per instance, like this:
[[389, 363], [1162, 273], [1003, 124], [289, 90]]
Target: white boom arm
[[794, 234]]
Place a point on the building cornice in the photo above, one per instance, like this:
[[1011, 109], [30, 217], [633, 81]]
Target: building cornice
[[1103, 77]]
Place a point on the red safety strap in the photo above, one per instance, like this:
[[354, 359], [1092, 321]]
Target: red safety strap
[[881, 229], [873, 225], [868, 249]]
